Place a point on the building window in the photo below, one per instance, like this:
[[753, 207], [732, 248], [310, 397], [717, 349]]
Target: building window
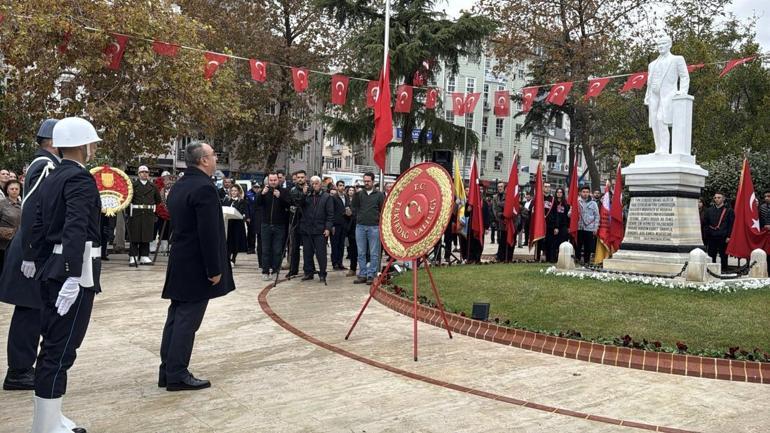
[[521, 73], [537, 145], [518, 132], [559, 120], [469, 121], [498, 161], [484, 124], [270, 109], [450, 83], [487, 66], [470, 85], [483, 160], [501, 87], [498, 127], [449, 116], [486, 94]]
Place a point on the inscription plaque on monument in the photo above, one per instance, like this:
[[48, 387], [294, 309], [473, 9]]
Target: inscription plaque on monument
[[653, 219]]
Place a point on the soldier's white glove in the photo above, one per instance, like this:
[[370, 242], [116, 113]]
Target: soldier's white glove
[[67, 295], [28, 268]]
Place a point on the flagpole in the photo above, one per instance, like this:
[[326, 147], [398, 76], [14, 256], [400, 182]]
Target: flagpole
[[386, 47], [465, 148]]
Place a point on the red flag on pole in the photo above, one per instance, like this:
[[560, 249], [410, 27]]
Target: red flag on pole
[[417, 79], [635, 81], [372, 92], [458, 104], [528, 95], [747, 235], [559, 92], [512, 202], [403, 98], [299, 77], [573, 201], [502, 103], [213, 61], [603, 250], [471, 99], [693, 68], [476, 201], [537, 216], [114, 51], [383, 118], [165, 48], [258, 70], [734, 63], [339, 89], [617, 230], [431, 98], [595, 87]]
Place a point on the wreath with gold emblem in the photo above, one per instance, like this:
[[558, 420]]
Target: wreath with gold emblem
[[115, 189]]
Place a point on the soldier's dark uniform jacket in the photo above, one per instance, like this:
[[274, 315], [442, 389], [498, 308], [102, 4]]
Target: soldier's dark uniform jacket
[[141, 225], [68, 215], [199, 250], [14, 287]]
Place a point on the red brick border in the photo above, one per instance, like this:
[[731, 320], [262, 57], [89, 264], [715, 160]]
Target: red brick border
[[684, 365]]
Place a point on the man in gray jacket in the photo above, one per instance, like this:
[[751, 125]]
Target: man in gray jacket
[[588, 224]]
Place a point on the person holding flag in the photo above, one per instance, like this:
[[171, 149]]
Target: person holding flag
[[476, 220], [572, 200], [603, 244], [537, 227], [510, 217]]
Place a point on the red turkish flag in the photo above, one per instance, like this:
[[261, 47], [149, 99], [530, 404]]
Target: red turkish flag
[[2, 18], [502, 103], [372, 92], [417, 79], [403, 99], [617, 229], [512, 201], [528, 95], [595, 87], [258, 70], [471, 99], [431, 98], [165, 48], [477, 204], [300, 78], [339, 89], [114, 51], [458, 103], [537, 217], [635, 81], [572, 200], [693, 68], [747, 234], [733, 63], [383, 118], [64, 46], [558, 93], [213, 62]]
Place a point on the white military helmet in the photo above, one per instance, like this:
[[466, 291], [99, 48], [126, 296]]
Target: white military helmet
[[74, 132]]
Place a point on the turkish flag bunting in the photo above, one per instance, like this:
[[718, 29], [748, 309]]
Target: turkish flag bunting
[[747, 235], [617, 229], [258, 70], [558, 93], [213, 62], [114, 51], [372, 92], [528, 95], [339, 89], [471, 99], [431, 98], [383, 118], [635, 81], [458, 104], [300, 79], [512, 202], [693, 68], [733, 63], [502, 103], [418, 80], [595, 87], [572, 200], [165, 49], [537, 215], [403, 99], [64, 46], [2, 18], [477, 205]]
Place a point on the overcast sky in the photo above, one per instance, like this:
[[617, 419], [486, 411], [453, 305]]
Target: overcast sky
[[741, 8]]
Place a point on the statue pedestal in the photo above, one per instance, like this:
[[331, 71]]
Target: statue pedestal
[[663, 223]]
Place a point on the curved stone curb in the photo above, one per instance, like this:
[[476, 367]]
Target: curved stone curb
[[685, 365]]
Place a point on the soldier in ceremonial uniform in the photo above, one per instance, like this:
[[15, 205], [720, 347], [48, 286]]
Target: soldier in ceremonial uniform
[[15, 289], [141, 225], [65, 240]]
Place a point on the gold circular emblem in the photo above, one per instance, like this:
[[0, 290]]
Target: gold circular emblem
[[115, 188]]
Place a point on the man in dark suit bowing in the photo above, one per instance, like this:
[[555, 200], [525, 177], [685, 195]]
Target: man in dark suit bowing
[[198, 266]]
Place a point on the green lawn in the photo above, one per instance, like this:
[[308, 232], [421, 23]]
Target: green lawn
[[600, 310]]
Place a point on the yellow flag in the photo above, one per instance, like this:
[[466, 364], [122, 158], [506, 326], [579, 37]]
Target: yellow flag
[[460, 196]]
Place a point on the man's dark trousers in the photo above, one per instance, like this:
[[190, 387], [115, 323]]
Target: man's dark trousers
[[718, 246], [182, 322], [314, 245], [272, 250], [585, 246], [24, 335], [62, 336], [296, 242], [338, 245]]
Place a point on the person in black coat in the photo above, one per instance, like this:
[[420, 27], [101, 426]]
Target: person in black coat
[[317, 225], [341, 202], [557, 226], [236, 229], [719, 224], [274, 201], [350, 229], [15, 289], [65, 240], [198, 267]]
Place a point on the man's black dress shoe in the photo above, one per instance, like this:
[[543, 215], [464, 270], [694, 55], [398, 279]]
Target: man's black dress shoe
[[19, 380], [79, 430], [162, 382], [190, 383], [307, 278]]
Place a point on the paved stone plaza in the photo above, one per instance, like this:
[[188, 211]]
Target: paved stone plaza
[[265, 378]]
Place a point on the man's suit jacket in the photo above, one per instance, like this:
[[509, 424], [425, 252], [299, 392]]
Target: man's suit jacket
[[675, 70]]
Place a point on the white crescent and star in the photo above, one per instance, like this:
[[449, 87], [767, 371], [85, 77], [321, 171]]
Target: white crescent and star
[[637, 78], [501, 101], [340, 87], [402, 97], [216, 64], [595, 85], [752, 200], [115, 48], [260, 67]]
